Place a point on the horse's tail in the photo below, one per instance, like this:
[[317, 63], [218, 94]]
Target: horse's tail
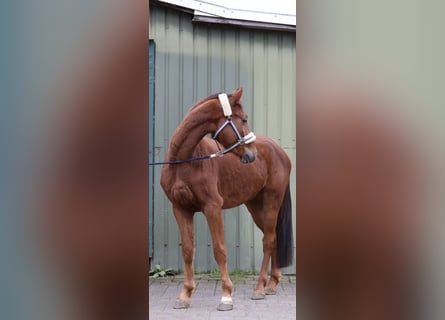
[[284, 232]]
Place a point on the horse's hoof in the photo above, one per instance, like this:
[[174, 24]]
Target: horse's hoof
[[270, 291], [225, 307], [258, 295], [181, 304]]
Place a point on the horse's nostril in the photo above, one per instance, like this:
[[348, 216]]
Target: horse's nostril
[[248, 157]]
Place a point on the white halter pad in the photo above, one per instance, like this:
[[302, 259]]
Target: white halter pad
[[250, 137], [224, 100]]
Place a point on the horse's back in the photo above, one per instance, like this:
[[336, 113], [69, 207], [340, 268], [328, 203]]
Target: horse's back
[[276, 151], [270, 154], [279, 163]]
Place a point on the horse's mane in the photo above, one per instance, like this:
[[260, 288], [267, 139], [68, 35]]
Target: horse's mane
[[213, 96]]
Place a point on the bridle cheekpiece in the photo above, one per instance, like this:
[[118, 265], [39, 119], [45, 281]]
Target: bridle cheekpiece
[[248, 138]]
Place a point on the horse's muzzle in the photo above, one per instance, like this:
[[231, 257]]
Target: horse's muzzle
[[248, 157]]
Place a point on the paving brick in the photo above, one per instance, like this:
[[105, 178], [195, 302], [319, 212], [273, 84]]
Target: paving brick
[[163, 294]]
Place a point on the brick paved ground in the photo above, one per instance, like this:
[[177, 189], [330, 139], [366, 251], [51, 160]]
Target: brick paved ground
[[163, 294]]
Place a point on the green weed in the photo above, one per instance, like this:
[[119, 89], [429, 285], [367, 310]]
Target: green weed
[[158, 271]]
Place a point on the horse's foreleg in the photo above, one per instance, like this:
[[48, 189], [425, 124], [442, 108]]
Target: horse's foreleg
[[185, 223], [216, 226]]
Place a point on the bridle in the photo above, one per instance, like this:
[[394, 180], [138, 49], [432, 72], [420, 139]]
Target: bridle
[[248, 138]]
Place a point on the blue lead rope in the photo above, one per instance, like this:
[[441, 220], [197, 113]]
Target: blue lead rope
[[180, 161], [210, 156]]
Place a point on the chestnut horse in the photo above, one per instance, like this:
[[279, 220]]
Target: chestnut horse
[[253, 173]]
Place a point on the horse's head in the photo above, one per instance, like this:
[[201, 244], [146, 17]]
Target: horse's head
[[233, 132]]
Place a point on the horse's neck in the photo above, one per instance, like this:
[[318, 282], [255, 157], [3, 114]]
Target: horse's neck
[[189, 133]]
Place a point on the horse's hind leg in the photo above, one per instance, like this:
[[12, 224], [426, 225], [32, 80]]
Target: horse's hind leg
[[275, 275], [184, 219], [264, 214], [256, 211], [269, 246], [216, 225]]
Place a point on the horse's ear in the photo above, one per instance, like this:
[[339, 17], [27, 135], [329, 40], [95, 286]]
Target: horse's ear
[[236, 95]]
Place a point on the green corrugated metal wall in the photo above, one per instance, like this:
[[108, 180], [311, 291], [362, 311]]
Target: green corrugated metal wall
[[192, 62]]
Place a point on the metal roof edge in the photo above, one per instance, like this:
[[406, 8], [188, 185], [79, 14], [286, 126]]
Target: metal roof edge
[[243, 23], [203, 8]]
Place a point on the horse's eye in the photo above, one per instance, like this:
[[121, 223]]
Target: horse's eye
[[244, 120]]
